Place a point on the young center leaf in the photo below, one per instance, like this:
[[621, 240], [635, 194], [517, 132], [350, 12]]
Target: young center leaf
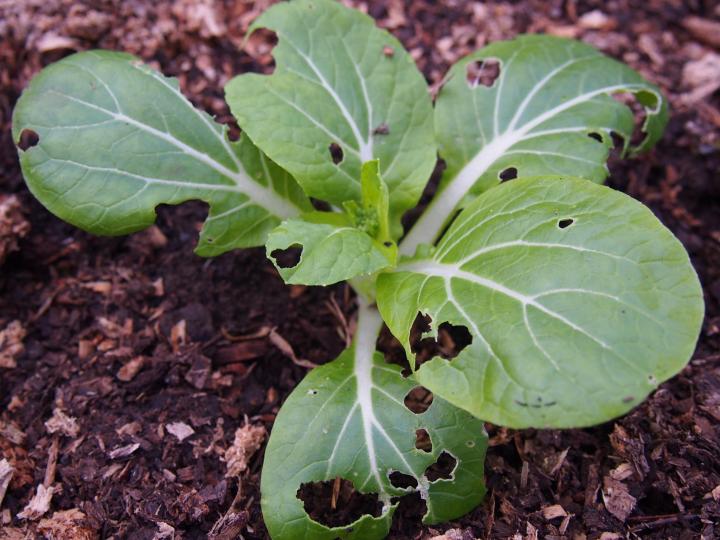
[[116, 138], [332, 250], [550, 110], [347, 419], [336, 247], [343, 92], [578, 300]]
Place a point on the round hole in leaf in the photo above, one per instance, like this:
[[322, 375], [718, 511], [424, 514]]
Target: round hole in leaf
[[442, 469], [508, 174], [402, 481], [565, 223], [482, 72], [419, 399], [28, 139], [637, 103], [422, 440], [336, 153], [259, 46], [336, 503], [288, 257]]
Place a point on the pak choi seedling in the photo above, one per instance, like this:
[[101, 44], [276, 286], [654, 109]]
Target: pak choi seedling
[[577, 300]]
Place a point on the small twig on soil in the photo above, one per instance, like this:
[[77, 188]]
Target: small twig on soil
[[232, 522], [490, 515], [261, 333], [285, 348], [344, 329], [335, 493], [52, 462], [45, 306], [662, 521]]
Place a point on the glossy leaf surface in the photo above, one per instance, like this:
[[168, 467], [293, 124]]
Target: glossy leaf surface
[[578, 300], [339, 80], [116, 139], [347, 419], [549, 111]]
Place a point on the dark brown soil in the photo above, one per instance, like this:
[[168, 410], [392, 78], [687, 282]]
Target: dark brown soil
[[106, 342]]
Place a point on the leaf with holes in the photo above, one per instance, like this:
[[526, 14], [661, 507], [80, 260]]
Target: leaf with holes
[[347, 419], [332, 250], [336, 247], [578, 300], [116, 138], [550, 110], [344, 92]]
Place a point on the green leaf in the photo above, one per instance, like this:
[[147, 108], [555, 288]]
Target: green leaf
[[332, 250], [376, 198], [116, 139], [541, 116], [339, 80], [347, 419], [578, 300]]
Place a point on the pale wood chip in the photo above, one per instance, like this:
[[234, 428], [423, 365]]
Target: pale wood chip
[[130, 369], [531, 532], [6, 474], [705, 30], [248, 439], [622, 472], [60, 422], [13, 225], [617, 499], [66, 525], [180, 429], [165, 531], [123, 451], [39, 504], [455, 534], [9, 431], [554, 511], [54, 42], [11, 344]]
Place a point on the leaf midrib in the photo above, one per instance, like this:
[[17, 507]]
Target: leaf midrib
[[444, 203], [244, 184]]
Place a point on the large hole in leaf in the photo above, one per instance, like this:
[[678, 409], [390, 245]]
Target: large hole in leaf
[[259, 46], [482, 72], [451, 340], [336, 503], [418, 400], [422, 440], [234, 132], [288, 257], [411, 509], [336, 153], [402, 481], [28, 139], [634, 103], [442, 469], [320, 205]]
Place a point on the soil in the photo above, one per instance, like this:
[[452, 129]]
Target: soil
[[160, 356]]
